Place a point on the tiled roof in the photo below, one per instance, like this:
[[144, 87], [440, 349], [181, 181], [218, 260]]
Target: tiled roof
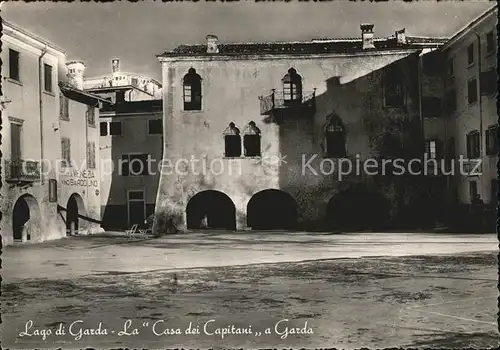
[[318, 46], [145, 106]]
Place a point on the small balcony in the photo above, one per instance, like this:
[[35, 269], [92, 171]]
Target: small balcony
[[277, 101], [22, 171]]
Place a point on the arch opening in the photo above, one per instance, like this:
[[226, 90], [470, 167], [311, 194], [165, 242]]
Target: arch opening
[[357, 208], [211, 210], [74, 208], [272, 210], [26, 218]]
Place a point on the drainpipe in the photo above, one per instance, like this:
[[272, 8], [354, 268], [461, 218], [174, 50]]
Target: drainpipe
[[40, 92], [480, 101], [420, 111]]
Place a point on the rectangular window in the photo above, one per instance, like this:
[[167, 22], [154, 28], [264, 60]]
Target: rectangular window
[[490, 42], [14, 65], [232, 146], [450, 149], [91, 164], [65, 152], [64, 107], [494, 192], [252, 145], [90, 115], [472, 190], [451, 71], [187, 94], [52, 190], [136, 195], [430, 149], [472, 91], [15, 141], [103, 128], [115, 128], [492, 141], [134, 165], [155, 127], [470, 54], [451, 101], [488, 82], [473, 150], [47, 77]]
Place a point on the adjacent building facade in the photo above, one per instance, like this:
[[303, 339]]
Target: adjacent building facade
[[119, 86], [131, 132], [35, 193], [472, 120], [232, 111]]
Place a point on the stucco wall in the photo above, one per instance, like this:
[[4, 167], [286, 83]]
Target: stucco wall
[[80, 179], [230, 90], [113, 186], [468, 117], [25, 108]]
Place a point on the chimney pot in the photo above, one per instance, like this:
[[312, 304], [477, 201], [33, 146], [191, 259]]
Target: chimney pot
[[212, 44], [367, 36], [115, 65], [76, 70], [400, 36]]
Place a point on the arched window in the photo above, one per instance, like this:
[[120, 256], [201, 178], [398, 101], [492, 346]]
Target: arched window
[[292, 86], [232, 141], [192, 91], [251, 140], [335, 138], [394, 89]]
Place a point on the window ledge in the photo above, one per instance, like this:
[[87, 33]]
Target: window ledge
[[159, 134], [470, 65], [50, 93], [243, 157], [93, 126], [489, 54], [194, 111], [14, 81], [64, 119]]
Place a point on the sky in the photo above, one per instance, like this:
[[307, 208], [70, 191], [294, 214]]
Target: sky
[[136, 32]]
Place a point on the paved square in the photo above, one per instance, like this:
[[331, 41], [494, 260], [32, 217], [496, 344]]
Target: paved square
[[433, 300]]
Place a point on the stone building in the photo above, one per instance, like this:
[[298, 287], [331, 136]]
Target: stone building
[[119, 86], [34, 196], [232, 111], [131, 133], [80, 170], [470, 128]]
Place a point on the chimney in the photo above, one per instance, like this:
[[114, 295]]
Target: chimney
[[115, 65], [76, 70], [367, 36], [400, 36], [212, 42]]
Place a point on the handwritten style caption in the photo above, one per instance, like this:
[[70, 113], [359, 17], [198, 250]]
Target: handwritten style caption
[[159, 328]]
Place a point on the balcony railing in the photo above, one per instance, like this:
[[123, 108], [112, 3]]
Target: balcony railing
[[22, 170], [276, 100]]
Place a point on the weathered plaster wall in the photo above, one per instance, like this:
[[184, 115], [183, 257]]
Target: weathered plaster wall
[[467, 116], [230, 92], [25, 109], [80, 179], [113, 186]]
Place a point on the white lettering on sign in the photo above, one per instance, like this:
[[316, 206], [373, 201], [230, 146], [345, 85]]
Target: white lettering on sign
[[79, 178]]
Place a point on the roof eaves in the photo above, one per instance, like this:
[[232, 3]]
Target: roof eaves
[[470, 25], [23, 31]]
